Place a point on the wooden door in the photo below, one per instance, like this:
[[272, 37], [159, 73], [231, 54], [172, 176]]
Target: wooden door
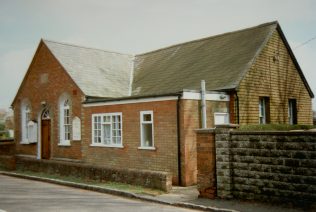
[[45, 139]]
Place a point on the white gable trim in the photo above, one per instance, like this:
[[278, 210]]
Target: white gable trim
[[186, 95], [208, 96], [131, 101]]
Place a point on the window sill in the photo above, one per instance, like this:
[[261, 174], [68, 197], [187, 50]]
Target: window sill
[[64, 143], [103, 145], [24, 142], [147, 148]]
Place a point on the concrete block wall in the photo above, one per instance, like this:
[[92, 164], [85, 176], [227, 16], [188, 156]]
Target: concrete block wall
[[269, 166]]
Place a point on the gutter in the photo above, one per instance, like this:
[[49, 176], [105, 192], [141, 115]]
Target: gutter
[[93, 99]]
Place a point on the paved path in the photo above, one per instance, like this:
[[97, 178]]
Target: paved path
[[26, 195]]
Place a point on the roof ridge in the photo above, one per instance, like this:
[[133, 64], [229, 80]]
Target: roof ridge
[[85, 47], [210, 37]]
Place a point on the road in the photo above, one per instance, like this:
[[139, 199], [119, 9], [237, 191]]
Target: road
[[18, 194]]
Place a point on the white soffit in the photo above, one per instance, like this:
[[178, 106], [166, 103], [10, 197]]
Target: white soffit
[[208, 96]]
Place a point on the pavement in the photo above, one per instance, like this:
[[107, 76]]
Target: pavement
[[185, 197], [17, 194]]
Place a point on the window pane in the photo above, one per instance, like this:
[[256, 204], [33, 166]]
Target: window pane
[[147, 135], [146, 117], [107, 133]]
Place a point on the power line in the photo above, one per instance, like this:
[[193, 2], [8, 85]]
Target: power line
[[303, 44]]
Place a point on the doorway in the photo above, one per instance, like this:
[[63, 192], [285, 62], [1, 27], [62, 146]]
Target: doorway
[[45, 134]]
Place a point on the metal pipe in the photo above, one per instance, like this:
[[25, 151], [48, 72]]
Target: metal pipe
[[203, 104]]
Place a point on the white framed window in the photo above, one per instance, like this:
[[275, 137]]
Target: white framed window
[[221, 118], [147, 130], [264, 111], [25, 118], [64, 122], [107, 130]]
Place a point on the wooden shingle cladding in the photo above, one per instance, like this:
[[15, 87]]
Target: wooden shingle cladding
[[274, 75]]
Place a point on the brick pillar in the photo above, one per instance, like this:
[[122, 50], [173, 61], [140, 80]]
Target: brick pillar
[[206, 178], [223, 161]]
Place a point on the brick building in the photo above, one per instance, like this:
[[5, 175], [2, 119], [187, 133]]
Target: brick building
[[141, 111]]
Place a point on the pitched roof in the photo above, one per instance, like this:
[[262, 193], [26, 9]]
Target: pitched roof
[[220, 60], [97, 73]]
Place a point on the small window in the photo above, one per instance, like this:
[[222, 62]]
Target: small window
[[221, 118], [107, 129], [264, 110], [25, 118], [147, 129], [292, 111]]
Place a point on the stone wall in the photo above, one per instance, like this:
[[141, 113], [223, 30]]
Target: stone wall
[[150, 179], [7, 154], [268, 166]]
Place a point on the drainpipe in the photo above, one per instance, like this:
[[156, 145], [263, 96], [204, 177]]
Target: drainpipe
[[179, 140], [237, 103], [203, 104]]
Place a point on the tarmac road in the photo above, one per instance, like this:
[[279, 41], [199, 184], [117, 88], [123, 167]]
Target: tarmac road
[[18, 194]]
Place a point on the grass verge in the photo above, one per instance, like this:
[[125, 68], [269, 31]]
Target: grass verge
[[275, 127]]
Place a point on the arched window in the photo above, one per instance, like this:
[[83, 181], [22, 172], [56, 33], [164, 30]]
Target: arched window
[[64, 121], [25, 118]]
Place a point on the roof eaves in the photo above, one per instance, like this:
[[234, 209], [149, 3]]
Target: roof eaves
[[99, 100]]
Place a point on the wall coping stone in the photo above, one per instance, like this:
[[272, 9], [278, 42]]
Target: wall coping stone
[[205, 130], [230, 126]]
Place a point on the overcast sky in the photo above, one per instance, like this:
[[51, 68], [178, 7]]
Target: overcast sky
[[136, 26]]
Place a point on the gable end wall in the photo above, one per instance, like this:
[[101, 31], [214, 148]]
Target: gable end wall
[[278, 80], [35, 91]]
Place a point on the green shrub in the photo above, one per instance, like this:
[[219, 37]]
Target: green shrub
[[274, 127]]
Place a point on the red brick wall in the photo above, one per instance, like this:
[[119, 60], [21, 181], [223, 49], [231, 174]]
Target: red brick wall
[[164, 158], [190, 120], [36, 91], [206, 177]]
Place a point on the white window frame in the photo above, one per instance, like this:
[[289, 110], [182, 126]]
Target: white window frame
[[142, 122], [62, 125], [219, 115], [25, 118], [263, 110], [103, 123]]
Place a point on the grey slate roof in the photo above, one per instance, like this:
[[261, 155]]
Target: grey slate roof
[[97, 73], [222, 61]]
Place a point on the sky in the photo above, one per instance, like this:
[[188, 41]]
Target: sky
[[138, 26]]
